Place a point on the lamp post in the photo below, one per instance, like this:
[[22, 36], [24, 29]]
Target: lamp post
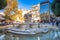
[[49, 9], [43, 3]]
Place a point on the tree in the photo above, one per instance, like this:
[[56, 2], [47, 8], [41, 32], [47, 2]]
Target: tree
[[55, 6], [7, 17], [10, 9], [3, 4]]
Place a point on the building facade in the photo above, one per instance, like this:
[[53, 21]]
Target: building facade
[[28, 18], [36, 13], [32, 15]]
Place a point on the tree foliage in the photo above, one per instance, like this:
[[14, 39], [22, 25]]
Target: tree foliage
[[55, 6], [11, 7], [3, 4]]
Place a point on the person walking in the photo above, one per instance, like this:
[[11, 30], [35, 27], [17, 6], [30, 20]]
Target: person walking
[[53, 22], [57, 23]]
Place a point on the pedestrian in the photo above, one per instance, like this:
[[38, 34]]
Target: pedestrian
[[57, 23], [53, 22]]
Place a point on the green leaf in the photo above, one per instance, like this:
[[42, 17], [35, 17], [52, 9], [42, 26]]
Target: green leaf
[[3, 4], [55, 6]]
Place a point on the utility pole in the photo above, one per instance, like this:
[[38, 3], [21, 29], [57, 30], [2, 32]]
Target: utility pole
[[49, 10], [43, 3]]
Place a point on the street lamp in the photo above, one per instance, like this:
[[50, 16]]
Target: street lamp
[[47, 1], [49, 10]]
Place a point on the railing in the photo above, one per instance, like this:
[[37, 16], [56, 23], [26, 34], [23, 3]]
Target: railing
[[27, 25], [30, 25]]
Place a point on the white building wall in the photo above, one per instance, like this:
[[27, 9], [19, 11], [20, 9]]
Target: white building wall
[[36, 13]]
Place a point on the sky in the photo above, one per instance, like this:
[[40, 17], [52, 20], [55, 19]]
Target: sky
[[27, 4]]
